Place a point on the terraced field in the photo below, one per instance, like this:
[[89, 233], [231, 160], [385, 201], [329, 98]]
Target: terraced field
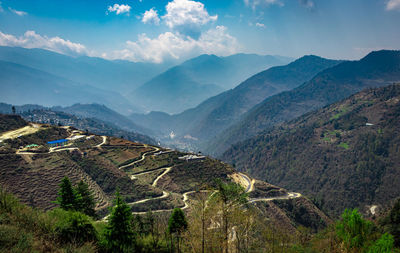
[[148, 177]]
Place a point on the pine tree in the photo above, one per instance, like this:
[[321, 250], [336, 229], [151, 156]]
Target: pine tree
[[119, 234], [85, 199], [177, 224], [67, 197]]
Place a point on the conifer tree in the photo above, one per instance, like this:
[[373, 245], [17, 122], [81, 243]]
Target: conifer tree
[[67, 197], [119, 234], [85, 199], [177, 224]]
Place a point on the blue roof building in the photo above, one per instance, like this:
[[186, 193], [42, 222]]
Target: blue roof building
[[58, 143]]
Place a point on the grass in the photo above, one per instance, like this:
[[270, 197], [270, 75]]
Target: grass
[[344, 145], [343, 110]]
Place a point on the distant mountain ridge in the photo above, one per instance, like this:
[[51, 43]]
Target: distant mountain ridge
[[345, 155], [190, 83], [331, 85], [101, 112], [24, 85], [118, 76], [219, 112]]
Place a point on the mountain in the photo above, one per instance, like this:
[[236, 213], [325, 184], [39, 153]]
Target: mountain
[[345, 155], [117, 76], [89, 122], [101, 112], [219, 112], [173, 92], [148, 177], [331, 85], [187, 85], [24, 85]]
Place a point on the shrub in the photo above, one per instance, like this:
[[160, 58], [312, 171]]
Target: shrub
[[73, 227], [383, 244]]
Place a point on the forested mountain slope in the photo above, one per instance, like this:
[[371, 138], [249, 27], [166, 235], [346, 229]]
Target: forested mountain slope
[[345, 155], [376, 69]]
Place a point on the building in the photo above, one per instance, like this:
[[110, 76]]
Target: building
[[58, 143]]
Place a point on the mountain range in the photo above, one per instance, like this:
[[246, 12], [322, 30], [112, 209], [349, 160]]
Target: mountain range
[[25, 85], [378, 68], [190, 83], [216, 114], [117, 76], [343, 156]]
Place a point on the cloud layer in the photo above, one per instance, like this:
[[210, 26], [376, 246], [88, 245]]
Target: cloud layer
[[171, 45], [33, 40]]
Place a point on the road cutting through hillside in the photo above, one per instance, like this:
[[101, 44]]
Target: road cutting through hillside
[[141, 159], [165, 195], [103, 142], [160, 176], [289, 195], [244, 181]]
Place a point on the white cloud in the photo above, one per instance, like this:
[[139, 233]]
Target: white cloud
[[151, 17], [33, 40], [186, 16], [260, 25], [393, 5], [171, 45], [19, 13], [254, 3], [119, 9]]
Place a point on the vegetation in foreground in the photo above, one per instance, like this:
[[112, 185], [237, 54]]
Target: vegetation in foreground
[[218, 222]]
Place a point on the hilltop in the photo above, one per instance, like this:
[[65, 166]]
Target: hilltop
[[345, 155], [149, 177]]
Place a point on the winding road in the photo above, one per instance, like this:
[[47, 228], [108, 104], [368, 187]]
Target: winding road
[[141, 159], [103, 142]]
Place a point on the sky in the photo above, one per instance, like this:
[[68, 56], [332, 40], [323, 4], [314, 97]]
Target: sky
[[161, 30]]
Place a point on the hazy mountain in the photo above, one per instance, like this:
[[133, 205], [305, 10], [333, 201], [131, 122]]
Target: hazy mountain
[[118, 76], [232, 105], [173, 92], [345, 155], [95, 118], [103, 113], [24, 85], [219, 112], [187, 85], [336, 83]]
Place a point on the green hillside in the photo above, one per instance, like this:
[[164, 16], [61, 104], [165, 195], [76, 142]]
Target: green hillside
[[331, 85], [345, 155]]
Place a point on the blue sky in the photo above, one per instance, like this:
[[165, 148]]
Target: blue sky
[[158, 30]]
